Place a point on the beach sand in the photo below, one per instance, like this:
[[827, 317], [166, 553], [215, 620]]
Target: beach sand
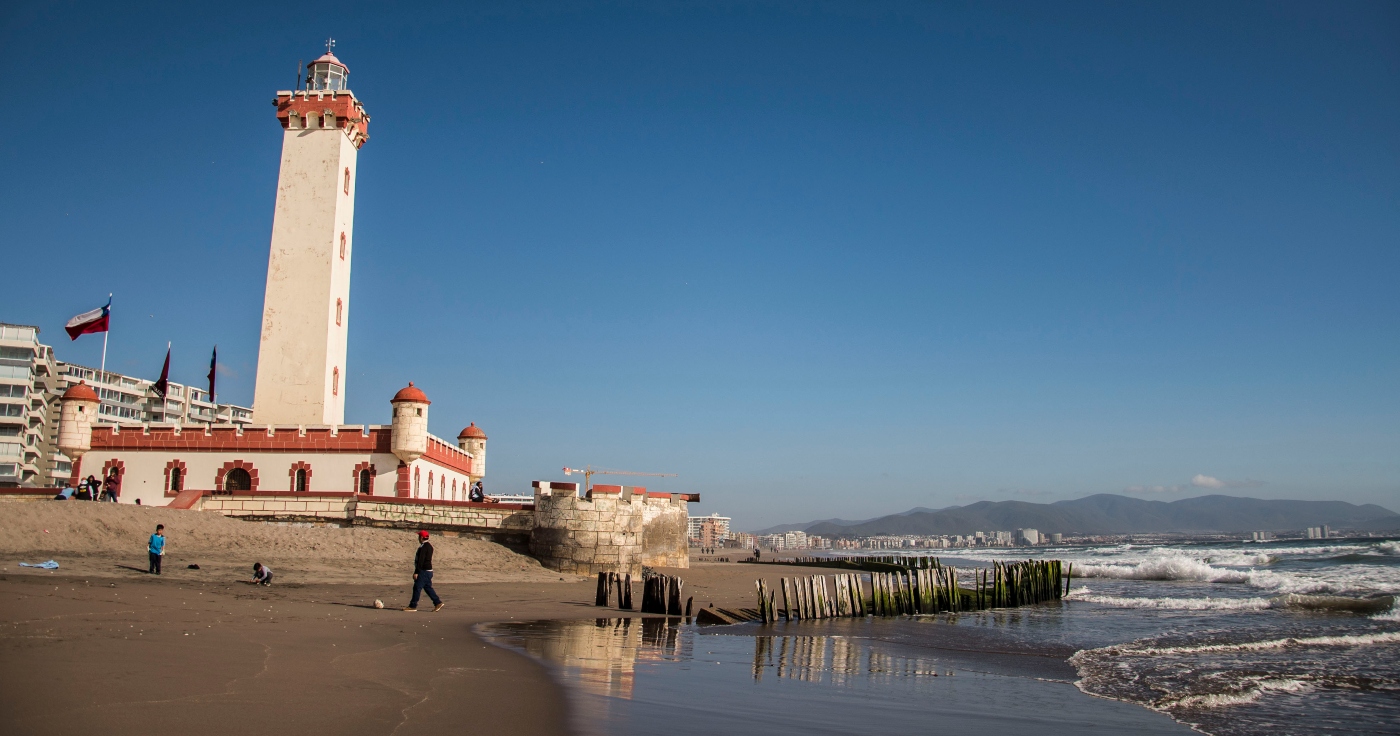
[[99, 645]]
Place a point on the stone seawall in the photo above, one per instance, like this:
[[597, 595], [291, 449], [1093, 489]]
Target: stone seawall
[[507, 523], [601, 532], [665, 534]]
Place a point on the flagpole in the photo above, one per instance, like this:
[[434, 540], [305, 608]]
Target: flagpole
[[105, 333]]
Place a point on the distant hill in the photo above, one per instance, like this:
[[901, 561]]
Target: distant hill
[[1112, 514], [803, 526]]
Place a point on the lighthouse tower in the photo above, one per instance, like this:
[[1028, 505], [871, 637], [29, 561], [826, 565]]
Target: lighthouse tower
[[306, 307]]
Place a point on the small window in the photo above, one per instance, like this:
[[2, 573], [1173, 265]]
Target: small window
[[335, 378], [418, 411], [443, 492], [175, 480], [347, 179], [338, 308], [416, 479], [342, 246], [364, 482], [301, 480], [238, 479]]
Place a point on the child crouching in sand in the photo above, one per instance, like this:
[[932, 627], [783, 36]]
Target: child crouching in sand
[[262, 574]]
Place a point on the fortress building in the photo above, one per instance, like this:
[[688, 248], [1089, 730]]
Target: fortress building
[[297, 459], [297, 440]]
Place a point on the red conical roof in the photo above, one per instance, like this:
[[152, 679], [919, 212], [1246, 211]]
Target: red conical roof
[[410, 393], [80, 391], [473, 432]]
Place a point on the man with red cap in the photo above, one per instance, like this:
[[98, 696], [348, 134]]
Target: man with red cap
[[423, 574]]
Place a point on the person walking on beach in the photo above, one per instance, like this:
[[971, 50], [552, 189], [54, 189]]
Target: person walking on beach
[[156, 548], [423, 574]]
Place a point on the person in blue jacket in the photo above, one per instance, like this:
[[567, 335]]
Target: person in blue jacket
[[156, 548]]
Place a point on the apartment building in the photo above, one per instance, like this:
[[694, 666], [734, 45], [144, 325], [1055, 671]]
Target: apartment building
[[28, 420], [31, 382]]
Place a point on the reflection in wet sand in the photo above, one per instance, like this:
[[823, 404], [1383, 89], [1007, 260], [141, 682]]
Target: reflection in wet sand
[[629, 677], [602, 654], [837, 660]]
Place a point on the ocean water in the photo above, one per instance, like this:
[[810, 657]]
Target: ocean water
[[1234, 638], [1226, 639]]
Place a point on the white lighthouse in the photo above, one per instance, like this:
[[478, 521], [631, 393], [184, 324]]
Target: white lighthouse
[[306, 308]]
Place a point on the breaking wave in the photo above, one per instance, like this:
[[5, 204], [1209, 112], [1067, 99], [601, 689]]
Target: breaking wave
[[1352, 640], [1176, 567], [1248, 692], [1379, 605]]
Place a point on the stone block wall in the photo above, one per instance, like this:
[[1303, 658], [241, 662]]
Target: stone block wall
[[281, 506], [587, 535], [665, 540], [508, 523]]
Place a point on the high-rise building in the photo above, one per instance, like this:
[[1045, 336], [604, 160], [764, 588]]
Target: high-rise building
[[27, 419], [718, 528], [31, 383], [306, 308]]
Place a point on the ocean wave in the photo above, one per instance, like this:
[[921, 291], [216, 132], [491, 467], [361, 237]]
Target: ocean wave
[[1350, 640], [1291, 601], [1388, 548], [1174, 604], [1249, 691], [1175, 567]]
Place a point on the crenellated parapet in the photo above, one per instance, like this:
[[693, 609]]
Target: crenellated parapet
[[608, 529]]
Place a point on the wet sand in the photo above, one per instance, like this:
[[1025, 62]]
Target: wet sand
[[198, 651]]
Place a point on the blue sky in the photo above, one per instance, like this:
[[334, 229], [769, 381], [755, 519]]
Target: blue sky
[[820, 259]]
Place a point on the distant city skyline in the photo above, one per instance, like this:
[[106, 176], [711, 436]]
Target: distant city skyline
[[819, 261]]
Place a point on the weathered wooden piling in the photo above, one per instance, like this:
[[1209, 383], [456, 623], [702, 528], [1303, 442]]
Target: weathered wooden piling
[[914, 586]]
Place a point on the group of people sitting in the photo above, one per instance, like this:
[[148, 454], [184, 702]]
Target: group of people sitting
[[92, 489]]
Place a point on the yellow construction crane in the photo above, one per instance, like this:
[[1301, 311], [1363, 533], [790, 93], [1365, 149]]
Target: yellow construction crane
[[589, 471]]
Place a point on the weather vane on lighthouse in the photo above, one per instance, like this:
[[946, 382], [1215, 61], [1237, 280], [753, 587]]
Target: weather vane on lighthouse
[[330, 44]]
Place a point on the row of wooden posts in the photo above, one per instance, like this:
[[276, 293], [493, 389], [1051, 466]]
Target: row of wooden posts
[[929, 588], [660, 593], [858, 562]]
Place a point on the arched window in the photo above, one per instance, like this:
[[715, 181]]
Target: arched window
[[335, 382], [238, 479], [454, 489], [416, 478], [364, 482], [342, 246], [442, 493], [430, 484], [338, 307], [347, 179], [300, 481], [175, 480]]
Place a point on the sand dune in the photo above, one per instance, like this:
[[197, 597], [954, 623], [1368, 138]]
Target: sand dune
[[109, 540]]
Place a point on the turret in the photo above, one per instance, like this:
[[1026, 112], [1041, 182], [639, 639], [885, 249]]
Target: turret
[[409, 438], [77, 412], [473, 442]]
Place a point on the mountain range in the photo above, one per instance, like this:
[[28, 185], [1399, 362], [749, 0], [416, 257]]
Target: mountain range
[[1113, 514]]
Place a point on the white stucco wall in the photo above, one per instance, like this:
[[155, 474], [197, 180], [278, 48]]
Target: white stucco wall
[[301, 345], [424, 467], [144, 475]]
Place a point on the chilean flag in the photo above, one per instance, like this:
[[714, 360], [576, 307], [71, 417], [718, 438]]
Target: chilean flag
[[88, 322]]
